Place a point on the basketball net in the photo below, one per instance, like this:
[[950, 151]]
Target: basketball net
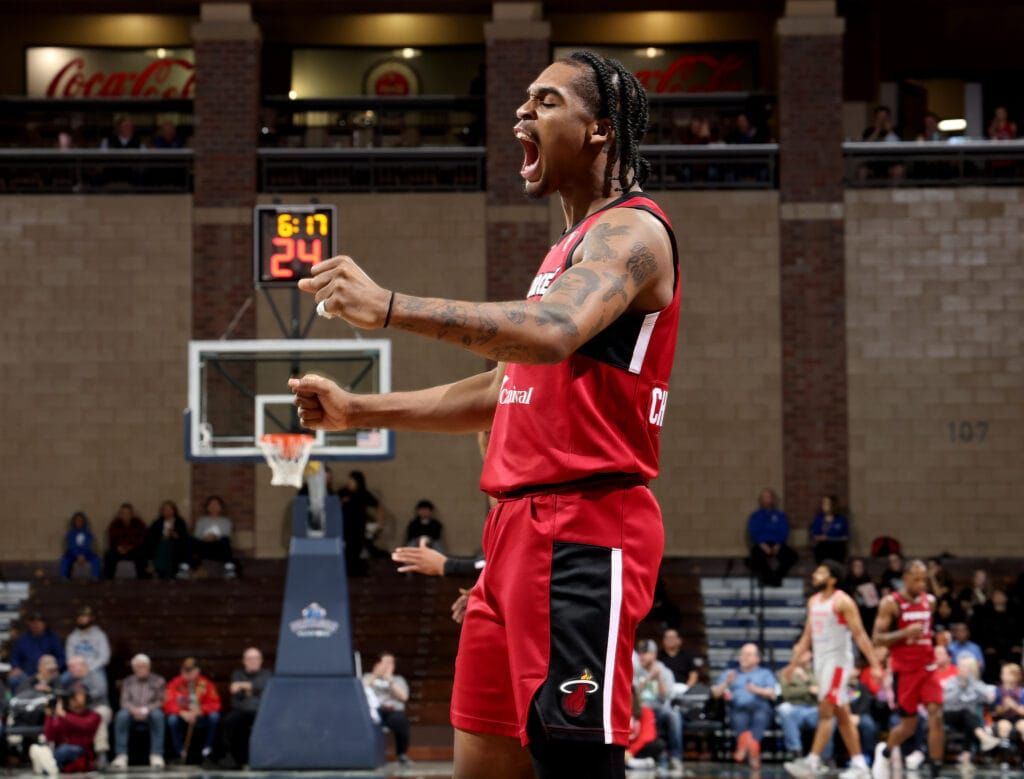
[[287, 455]]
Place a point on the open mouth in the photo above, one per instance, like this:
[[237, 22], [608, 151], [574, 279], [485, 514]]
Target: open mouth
[[530, 170]]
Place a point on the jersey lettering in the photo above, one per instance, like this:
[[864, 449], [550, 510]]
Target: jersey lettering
[[541, 283], [659, 404], [511, 396]]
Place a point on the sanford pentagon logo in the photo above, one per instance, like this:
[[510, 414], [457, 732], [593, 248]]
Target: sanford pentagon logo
[[314, 623]]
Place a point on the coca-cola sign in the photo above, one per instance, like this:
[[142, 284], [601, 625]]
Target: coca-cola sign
[[127, 73]]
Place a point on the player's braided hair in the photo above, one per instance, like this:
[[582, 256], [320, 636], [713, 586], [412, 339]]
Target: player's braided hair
[[612, 92]]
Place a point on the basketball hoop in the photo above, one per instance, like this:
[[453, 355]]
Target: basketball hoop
[[287, 455]]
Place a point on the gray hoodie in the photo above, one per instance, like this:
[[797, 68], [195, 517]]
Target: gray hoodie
[[92, 644]]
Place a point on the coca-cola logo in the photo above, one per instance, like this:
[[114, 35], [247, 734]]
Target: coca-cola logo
[[695, 73], [167, 78]]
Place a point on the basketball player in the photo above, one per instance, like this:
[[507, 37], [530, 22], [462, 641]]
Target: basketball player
[[912, 656], [832, 620], [575, 407]]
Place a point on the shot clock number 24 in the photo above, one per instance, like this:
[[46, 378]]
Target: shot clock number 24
[[290, 240]]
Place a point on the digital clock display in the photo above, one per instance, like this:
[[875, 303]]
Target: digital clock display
[[290, 240]]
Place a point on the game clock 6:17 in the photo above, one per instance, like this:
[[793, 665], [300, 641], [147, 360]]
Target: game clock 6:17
[[290, 241]]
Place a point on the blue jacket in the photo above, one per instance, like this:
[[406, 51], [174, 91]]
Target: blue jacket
[[839, 530], [28, 649], [79, 541], [768, 526]]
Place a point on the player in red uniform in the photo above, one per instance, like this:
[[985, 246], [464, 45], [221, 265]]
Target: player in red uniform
[[912, 657], [575, 407]]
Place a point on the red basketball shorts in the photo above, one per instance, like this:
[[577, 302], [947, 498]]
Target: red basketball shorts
[[550, 623], [915, 688]]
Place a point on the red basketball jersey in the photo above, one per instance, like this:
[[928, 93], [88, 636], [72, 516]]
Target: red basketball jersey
[[916, 653], [600, 411]]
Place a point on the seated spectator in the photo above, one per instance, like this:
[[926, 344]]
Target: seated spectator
[[78, 544], [830, 531], [676, 659], [126, 541], [247, 686], [892, 577], [881, 130], [88, 640], [654, 682], [94, 683], [863, 708], [123, 137], [858, 585], [212, 536], [940, 583], [976, 595], [931, 130], [191, 700], [998, 630], [944, 667], [749, 693], [31, 645], [947, 614], [768, 528], [167, 137], [798, 712], [424, 525], [962, 644], [1008, 708], [697, 132], [72, 731], [963, 697], [1001, 128], [167, 543], [46, 679], [391, 692], [142, 700], [645, 750], [743, 131]]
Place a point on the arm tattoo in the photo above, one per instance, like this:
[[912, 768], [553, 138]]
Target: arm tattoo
[[579, 282], [641, 263], [595, 245]]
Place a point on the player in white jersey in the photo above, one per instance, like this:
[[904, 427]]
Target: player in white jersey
[[833, 625]]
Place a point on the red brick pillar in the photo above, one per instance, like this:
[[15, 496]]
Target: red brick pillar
[[814, 384], [227, 53], [518, 49]]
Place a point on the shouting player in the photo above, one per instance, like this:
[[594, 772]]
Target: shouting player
[[912, 655], [832, 621], [575, 408]]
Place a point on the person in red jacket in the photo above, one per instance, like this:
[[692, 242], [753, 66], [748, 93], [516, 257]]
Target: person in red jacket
[[191, 702], [71, 731]]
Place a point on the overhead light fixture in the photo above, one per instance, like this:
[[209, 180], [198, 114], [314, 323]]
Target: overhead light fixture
[[292, 94], [953, 125], [649, 53], [409, 53], [161, 53]]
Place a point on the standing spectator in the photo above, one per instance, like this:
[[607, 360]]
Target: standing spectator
[[830, 532], [167, 137], [191, 702], [970, 598], [858, 585], [213, 536], [78, 547], [142, 700], [998, 631], [1008, 711], [72, 732], [126, 541], [123, 137], [882, 129], [677, 659], [247, 686], [963, 697], [35, 642], [167, 543], [88, 640], [654, 682], [940, 583], [892, 577], [962, 644], [947, 614], [798, 711], [749, 694], [1001, 128], [95, 685], [424, 525], [768, 528], [358, 512], [392, 693]]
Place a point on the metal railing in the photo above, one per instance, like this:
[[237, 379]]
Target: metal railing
[[934, 163], [716, 166], [106, 171], [415, 169]]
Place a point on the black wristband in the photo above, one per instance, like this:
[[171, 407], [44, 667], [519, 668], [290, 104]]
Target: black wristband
[[391, 302]]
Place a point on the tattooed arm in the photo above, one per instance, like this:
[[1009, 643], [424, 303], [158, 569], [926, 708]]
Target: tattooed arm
[[624, 263]]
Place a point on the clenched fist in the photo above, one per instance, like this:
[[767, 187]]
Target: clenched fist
[[347, 292], [322, 404]]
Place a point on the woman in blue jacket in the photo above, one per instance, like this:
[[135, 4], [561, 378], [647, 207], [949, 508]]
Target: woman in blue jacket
[[78, 546]]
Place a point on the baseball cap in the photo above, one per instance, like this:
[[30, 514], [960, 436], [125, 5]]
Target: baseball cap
[[85, 611], [189, 664], [646, 645]]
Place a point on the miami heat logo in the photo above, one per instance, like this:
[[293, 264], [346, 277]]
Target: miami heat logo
[[575, 692]]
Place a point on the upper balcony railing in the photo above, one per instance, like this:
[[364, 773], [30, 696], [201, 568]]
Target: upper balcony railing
[[957, 163], [95, 171]]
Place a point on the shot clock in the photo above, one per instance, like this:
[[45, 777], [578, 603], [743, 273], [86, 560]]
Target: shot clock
[[290, 240]]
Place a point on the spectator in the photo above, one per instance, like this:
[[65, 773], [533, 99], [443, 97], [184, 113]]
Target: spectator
[[1008, 711], [944, 668], [830, 531], [998, 631], [1001, 128], [645, 749], [892, 577], [213, 536], [46, 679], [392, 692], [963, 697], [95, 685], [167, 543], [191, 701], [858, 585], [749, 693], [940, 583], [931, 130], [142, 699], [768, 528], [677, 659], [976, 595], [947, 614], [72, 731], [123, 137], [88, 640], [31, 645], [247, 686], [697, 132], [424, 525], [798, 711], [962, 644], [654, 683], [78, 547], [167, 137], [126, 541], [743, 131], [359, 511], [863, 707], [882, 129]]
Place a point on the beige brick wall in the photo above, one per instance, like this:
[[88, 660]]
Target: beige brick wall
[[95, 303], [935, 313]]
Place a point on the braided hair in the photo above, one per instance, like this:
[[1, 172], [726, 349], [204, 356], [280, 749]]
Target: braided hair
[[612, 92]]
